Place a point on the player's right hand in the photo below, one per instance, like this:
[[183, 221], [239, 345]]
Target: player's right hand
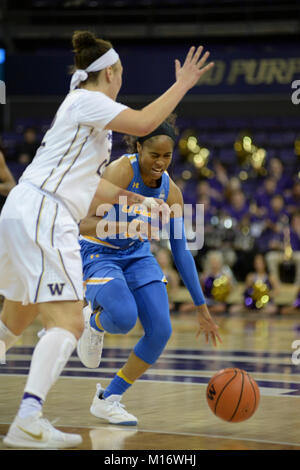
[[207, 325], [193, 68]]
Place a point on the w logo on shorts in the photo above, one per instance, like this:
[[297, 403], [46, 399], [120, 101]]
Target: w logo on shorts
[[56, 288]]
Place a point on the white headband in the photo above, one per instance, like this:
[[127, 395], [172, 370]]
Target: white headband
[[109, 58]]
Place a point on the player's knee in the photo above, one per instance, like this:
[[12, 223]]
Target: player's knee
[[166, 332], [151, 346], [75, 324], [128, 319], [67, 316], [122, 315], [162, 333]]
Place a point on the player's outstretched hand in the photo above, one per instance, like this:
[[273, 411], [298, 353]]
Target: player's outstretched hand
[[193, 68], [207, 325]]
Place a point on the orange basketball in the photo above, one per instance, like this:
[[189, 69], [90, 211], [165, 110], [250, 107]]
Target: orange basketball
[[232, 395]]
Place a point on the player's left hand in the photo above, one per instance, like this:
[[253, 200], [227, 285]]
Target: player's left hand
[[207, 325]]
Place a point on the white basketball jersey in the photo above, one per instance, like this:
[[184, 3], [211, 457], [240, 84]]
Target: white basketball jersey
[[75, 150]]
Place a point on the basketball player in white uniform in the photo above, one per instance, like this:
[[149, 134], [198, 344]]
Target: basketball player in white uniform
[[40, 263]]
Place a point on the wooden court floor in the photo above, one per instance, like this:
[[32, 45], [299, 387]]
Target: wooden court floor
[[169, 400]]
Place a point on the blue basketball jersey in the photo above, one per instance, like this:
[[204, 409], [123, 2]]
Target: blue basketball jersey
[[122, 213]]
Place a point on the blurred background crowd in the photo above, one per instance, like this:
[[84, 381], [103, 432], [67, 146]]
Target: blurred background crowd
[[238, 148]]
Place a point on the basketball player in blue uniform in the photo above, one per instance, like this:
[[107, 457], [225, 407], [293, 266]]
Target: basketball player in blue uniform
[[123, 279]]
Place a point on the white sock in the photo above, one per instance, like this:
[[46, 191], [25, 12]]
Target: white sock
[[29, 406], [50, 356], [7, 336]]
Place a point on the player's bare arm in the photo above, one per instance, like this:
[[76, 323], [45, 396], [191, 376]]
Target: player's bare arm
[[143, 122]]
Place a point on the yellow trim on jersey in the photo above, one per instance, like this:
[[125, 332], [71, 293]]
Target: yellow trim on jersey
[[121, 374], [99, 242], [98, 280], [132, 158]]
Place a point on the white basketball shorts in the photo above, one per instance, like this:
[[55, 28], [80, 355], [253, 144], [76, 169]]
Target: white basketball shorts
[[39, 251]]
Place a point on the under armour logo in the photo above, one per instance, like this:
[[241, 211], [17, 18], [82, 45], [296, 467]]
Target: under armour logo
[[136, 185], [56, 288], [211, 392]]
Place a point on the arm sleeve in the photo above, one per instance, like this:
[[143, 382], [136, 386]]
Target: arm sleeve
[[95, 109], [184, 260]]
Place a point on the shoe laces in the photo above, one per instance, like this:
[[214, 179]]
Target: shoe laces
[[48, 426], [117, 404], [116, 407], [46, 423]]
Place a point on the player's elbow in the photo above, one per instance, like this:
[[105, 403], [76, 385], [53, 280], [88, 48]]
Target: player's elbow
[[146, 124], [144, 129]]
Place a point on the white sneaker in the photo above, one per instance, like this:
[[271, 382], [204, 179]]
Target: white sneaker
[[111, 409], [37, 433], [90, 344]]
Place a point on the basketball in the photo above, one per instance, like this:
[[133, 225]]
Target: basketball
[[233, 395]]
